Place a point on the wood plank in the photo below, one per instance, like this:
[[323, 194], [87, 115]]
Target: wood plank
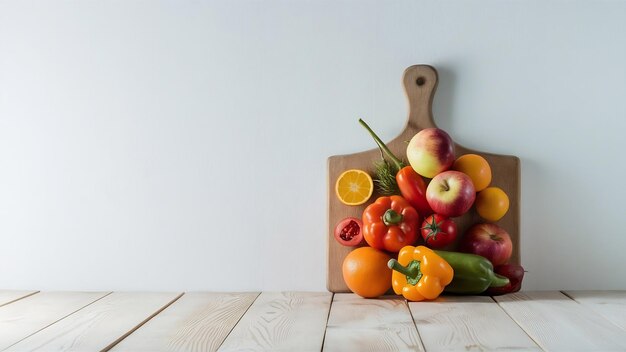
[[609, 304], [99, 325], [195, 322], [27, 316], [10, 296], [282, 321], [557, 323], [468, 323], [359, 324]]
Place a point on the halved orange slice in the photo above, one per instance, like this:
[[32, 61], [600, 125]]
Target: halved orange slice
[[354, 187]]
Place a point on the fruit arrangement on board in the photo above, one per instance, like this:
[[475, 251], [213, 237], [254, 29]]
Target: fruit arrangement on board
[[404, 237]]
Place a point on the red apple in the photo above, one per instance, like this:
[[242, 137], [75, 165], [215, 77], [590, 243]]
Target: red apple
[[430, 152], [451, 193], [488, 240]]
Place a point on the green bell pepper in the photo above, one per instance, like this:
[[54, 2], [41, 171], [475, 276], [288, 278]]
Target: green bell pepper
[[473, 274]]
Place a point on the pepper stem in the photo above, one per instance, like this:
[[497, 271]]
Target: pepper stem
[[391, 217], [411, 271], [499, 280], [382, 145]]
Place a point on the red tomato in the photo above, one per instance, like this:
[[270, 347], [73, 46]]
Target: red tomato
[[348, 232], [438, 231]]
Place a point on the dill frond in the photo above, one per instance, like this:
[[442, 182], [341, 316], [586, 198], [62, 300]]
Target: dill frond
[[385, 179]]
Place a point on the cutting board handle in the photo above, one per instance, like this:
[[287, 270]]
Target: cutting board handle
[[420, 84]]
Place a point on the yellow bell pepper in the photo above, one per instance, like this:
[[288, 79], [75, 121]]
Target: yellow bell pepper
[[419, 273]]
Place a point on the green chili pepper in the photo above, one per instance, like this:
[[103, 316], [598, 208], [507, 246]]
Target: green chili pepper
[[473, 274]]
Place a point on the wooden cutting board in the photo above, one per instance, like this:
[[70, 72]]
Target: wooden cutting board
[[420, 83]]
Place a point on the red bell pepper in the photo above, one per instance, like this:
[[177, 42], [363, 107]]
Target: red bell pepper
[[390, 223], [413, 189]]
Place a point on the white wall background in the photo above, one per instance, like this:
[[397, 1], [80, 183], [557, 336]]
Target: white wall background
[[182, 145]]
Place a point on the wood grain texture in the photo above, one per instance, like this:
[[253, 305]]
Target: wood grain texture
[[10, 296], [505, 170], [377, 325], [281, 321], [98, 326], [470, 323], [27, 316], [609, 304], [557, 323], [195, 322]]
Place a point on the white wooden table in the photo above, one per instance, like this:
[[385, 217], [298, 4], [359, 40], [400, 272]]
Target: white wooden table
[[310, 321]]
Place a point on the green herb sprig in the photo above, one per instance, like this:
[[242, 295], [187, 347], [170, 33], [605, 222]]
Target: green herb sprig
[[386, 170], [385, 180]]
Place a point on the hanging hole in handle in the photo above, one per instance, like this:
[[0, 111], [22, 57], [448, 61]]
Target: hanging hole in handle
[[420, 81]]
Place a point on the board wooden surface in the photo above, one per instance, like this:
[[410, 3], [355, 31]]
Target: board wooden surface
[[377, 325], [99, 325], [9, 296], [609, 304], [25, 317], [420, 83], [558, 323], [195, 322], [282, 321], [313, 321], [468, 323]]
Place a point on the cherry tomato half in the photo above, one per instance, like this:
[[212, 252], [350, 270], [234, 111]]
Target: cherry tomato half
[[348, 232], [438, 231]]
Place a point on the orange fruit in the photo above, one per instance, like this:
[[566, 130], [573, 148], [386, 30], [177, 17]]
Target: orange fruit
[[476, 167], [366, 273], [354, 187], [492, 203]]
